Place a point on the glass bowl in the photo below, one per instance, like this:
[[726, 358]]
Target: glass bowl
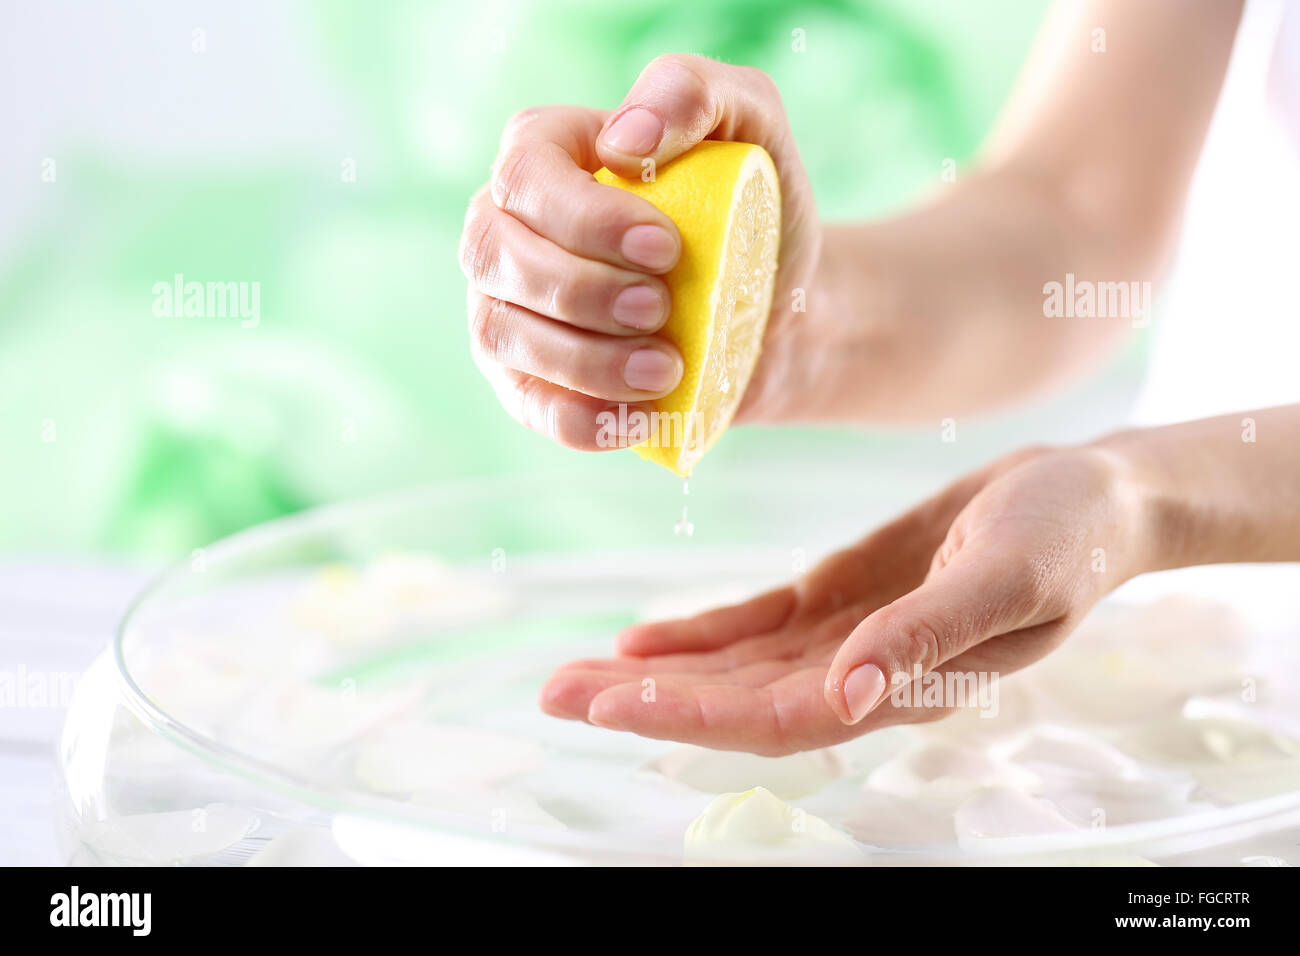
[[358, 684]]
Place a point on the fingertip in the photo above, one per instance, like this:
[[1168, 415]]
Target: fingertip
[[864, 688], [606, 709], [569, 692], [855, 685], [631, 167], [652, 247], [627, 167], [641, 308], [630, 641], [555, 700], [581, 664], [629, 705], [631, 134], [833, 692]]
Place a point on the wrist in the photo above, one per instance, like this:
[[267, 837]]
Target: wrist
[[830, 352], [878, 348], [1124, 542], [856, 298], [1217, 490], [1169, 528]]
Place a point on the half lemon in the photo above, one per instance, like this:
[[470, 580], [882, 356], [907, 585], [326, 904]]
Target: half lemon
[[726, 202]]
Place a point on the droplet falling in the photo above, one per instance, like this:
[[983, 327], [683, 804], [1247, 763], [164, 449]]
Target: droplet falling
[[684, 528]]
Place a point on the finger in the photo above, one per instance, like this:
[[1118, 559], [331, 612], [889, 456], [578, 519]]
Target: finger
[[570, 690], [979, 595], [565, 417], [679, 100], [710, 630], [890, 561], [1013, 651], [750, 650], [541, 177], [567, 694], [505, 259], [572, 128], [975, 670], [802, 640], [617, 369], [783, 717]]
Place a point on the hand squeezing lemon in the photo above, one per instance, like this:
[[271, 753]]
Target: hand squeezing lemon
[[726, 203], [622, 265]]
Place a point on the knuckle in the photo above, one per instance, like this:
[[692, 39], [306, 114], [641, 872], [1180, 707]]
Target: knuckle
[[1022, 456], [665, 62], [760, 82], [1035, 451], [521, 121], [571, 298], [594, 370], [540, 409], [1037, 592], [536, 410], [479, 248], [683, 73], [511, 176], [604, 214], [919, 643], [928, 715], [490, 328], [575, 430], [781, 742]]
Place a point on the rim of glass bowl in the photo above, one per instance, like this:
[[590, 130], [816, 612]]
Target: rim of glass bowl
[[1166, 837]]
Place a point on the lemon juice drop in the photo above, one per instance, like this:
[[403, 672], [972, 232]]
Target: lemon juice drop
[[684, 528]]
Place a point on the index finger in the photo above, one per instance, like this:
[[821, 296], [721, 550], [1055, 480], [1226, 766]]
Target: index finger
[[543, 178], [785, 716]]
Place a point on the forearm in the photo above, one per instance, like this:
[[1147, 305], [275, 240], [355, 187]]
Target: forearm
[[945, 304], [1085, 174], [1217, 490]]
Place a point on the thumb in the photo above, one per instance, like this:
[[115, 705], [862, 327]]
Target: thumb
[[982, 593], [679, 100]]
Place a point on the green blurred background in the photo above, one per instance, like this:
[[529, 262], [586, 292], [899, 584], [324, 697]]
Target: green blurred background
[[216, 141]]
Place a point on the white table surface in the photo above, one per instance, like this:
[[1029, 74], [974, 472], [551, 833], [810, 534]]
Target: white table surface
[[54, 620]]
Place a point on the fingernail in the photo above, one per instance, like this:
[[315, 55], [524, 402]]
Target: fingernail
[[650, 247], [636, 132], [639, 307], [650, 370], [863, 689]]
